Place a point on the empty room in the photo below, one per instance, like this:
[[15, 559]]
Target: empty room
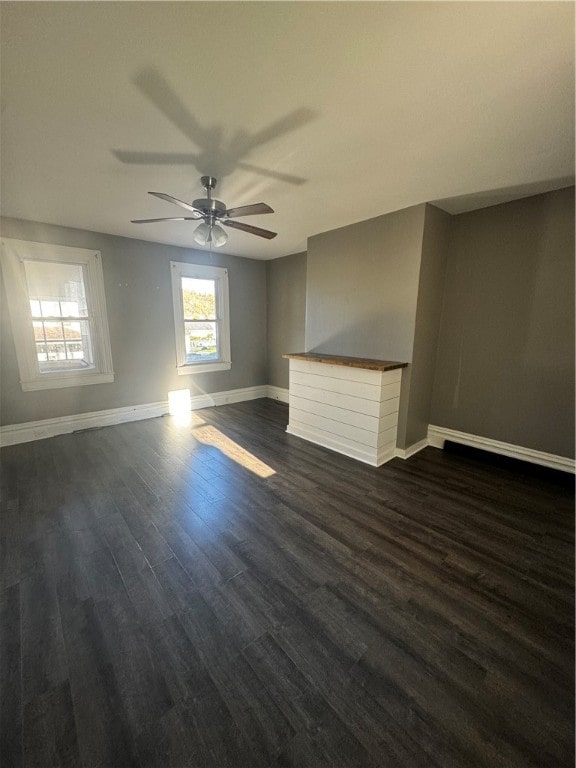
[[287, 384]]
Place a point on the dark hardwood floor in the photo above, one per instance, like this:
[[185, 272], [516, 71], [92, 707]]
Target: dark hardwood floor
[[224, 594]]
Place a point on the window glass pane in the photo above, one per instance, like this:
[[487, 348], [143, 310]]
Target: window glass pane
[[50, 308], [56, 289], [74, 350], [70, 309], [52, 283], [201, 341], [78, 342], [38, 331], [67, 345], [56, 350], [41, 352], [72, 331], [62, 357], [52, 330], [199, 298]]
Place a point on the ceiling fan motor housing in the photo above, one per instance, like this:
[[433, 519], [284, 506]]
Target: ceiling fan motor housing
[[210, 207]]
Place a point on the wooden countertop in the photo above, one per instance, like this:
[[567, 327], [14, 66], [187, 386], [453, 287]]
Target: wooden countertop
[[350, 362]]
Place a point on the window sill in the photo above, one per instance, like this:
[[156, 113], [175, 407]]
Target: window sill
[[51, 381], [189, 370]]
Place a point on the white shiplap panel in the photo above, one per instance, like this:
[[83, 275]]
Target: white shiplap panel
[[349, 388], [348, 373], [350, 410], [387, 436], [389, 406], [354, 388], [344, 372], [356, 404], [352, 403], [333, 442], [374, 457], [390, 377], [386, 453], [391, 390], [347, 431], [371, 423]]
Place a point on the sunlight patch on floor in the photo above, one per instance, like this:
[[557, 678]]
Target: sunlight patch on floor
[[180, 408], [212, 436]]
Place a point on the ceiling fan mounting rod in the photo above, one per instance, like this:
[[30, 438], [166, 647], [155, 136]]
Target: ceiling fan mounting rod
[[209, 183], [213, 209]]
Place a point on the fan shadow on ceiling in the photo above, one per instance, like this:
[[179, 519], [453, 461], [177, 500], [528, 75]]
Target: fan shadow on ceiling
[[216, 156]]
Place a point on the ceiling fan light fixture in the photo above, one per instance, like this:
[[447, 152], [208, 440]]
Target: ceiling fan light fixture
[[202, 234], [219, 236]]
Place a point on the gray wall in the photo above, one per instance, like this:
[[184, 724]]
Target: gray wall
[[418, 378], [505, 364], [286, 291], [141, 321], [362, 287], [503, 352]]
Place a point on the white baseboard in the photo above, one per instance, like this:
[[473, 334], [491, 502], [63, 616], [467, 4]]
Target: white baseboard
[[405, 453], [39, 430], [231, 396], [277, 393], [438, 435]]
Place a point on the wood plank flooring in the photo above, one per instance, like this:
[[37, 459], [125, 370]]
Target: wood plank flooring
[[223, 594]]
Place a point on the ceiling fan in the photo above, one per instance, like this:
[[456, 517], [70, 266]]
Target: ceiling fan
[[213, 213]]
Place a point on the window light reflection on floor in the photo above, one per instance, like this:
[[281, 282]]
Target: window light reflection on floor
[[212, 436], [180, 408]]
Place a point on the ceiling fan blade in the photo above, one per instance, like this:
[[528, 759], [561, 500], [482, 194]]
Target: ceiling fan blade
[[170, 218], [250, 229], [249, 210], [181, 203]]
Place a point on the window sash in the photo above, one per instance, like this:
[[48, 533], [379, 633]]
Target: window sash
[[33, 375], [85, 341], [69, 363], [221, 321], [217, 342]]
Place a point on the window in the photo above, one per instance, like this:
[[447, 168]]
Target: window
[[201, 318], [58, 314]]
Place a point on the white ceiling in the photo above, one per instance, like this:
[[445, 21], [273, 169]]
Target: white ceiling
[[372, 107]]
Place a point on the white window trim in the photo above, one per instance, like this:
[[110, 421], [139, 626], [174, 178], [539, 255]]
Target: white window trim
[[220, 275], [14, 253]]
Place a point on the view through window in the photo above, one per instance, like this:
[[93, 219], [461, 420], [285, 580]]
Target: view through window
[[59, 315], [200, 319]]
